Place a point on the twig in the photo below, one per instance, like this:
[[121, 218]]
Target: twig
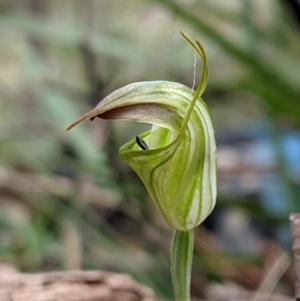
[[295, 228], [71, 286], [272, 277]]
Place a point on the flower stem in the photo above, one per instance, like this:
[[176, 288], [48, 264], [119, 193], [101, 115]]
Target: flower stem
[[181, 263]]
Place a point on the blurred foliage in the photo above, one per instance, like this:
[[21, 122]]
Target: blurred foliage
[[67, 200]]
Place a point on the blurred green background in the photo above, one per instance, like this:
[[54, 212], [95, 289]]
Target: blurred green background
[[68, 201]]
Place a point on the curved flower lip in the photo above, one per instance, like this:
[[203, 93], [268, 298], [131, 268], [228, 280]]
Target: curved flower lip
[[130, 111], [135, 111]]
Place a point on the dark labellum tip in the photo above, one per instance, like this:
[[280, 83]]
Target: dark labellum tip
[[141, 143]]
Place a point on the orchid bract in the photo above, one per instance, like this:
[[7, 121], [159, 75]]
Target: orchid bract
[[179, 166]]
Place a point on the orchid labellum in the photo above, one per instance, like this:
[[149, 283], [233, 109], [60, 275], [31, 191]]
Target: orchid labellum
[[176, 159]]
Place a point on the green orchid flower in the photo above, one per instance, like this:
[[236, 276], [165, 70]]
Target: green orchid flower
[[176, 159]]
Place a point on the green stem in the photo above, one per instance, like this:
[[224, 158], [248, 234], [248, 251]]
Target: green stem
[[181, 263]]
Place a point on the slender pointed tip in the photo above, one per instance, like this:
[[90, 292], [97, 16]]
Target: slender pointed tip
[[183, 33], [70, 127], [85, 117], [74, 124]]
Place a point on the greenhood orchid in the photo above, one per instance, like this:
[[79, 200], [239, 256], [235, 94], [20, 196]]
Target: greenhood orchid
[[178, 161]]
